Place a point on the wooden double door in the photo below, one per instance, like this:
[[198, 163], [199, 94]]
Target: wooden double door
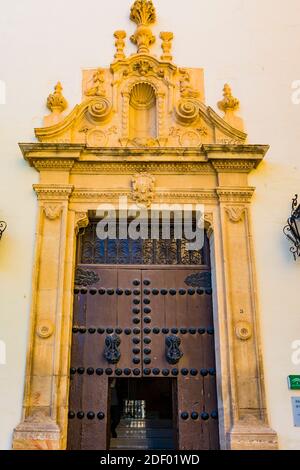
[[138, 322]]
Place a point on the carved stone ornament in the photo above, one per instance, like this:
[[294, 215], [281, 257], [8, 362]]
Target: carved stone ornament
[[173, 352], [235, 213], [111, 351], [56, 101], [45, 329], [98, 88], [85, 278], [167, 38], [120, 44], [200, 279], [53, 212], [143, 185], [229, 103], [143, 14], [243, 330]]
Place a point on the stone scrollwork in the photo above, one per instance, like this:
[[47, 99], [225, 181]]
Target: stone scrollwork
[[100, 110], [111, 352], [81, 221], [173, 352], [187, 111]]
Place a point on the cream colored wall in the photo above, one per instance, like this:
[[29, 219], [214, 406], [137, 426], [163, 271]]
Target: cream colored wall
[[255, 46]]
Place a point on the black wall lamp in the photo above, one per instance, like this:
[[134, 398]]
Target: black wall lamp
[[292, 229], [3, 226]]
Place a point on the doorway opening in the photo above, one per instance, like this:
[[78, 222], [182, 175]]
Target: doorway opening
[[142, 413]]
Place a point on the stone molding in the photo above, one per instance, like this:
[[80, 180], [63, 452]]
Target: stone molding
[[235, 194], [53, 192]]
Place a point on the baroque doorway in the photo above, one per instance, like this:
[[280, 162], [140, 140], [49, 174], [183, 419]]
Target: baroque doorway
[[142, 322], [143, 131]]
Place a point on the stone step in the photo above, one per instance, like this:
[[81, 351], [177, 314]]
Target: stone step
[[141, 444], [144, 433]]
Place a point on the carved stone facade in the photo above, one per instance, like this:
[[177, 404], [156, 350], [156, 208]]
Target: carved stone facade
[[143, 131]]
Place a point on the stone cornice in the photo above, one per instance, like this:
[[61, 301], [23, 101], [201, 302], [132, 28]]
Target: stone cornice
[[233, 194], [205, 159], [53, 192], [208, 196], [137, 166]]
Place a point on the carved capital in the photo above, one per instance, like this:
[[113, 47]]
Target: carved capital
[[52, 212], [53, 192], [235, 213]]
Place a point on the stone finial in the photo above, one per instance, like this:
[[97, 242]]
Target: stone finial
[[143, 14], [56, 101], [120, 44], [166, 46], [229, 103]]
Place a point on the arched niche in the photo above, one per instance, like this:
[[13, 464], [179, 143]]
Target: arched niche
[[142, 112]]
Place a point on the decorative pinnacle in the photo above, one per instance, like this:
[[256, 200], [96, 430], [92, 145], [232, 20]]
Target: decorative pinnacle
[[229, 103], [56, 101], [120, 44], [143, 14], [166, 45]]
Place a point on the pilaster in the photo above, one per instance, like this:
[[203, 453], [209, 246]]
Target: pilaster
[[250, 429], [39, 428]]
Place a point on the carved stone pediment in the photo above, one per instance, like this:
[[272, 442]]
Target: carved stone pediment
[[107, 116]]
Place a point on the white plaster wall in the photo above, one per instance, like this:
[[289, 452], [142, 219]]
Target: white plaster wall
[[254, 45]]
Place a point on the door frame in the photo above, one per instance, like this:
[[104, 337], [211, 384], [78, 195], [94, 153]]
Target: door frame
[[63, 210]]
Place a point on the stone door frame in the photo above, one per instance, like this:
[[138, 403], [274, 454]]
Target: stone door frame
[[63, 206]]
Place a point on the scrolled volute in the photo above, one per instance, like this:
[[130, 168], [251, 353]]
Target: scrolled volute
[[187, 111], [100, 110]]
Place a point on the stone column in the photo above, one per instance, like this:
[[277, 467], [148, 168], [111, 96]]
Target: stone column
[[250, 429], [40, 428]]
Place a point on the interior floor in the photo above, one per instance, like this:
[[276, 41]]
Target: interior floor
[[145, 415]]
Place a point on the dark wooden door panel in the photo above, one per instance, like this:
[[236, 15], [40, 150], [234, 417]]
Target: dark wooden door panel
[[143, 322]]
